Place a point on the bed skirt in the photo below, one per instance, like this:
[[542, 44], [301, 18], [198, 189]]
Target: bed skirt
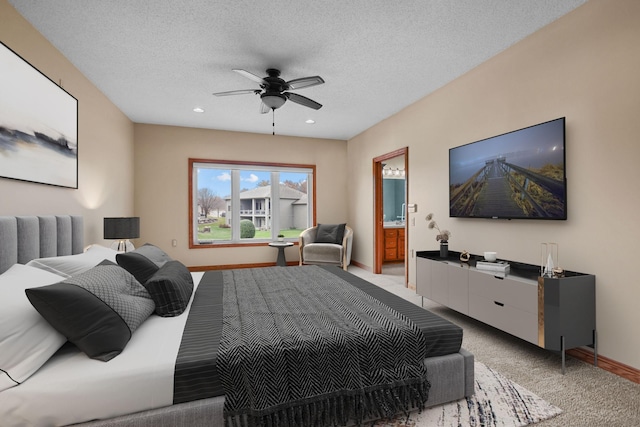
[[451, 378]]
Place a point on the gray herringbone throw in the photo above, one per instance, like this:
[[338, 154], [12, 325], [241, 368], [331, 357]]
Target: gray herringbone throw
[[300, 346]]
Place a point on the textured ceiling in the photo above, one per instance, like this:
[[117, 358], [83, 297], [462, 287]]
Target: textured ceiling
[[158, 59]]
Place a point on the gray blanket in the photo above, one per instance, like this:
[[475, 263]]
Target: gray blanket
[[300, 346]]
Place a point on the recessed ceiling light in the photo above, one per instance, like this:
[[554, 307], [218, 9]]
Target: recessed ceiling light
[[198, 110], [310, 121]]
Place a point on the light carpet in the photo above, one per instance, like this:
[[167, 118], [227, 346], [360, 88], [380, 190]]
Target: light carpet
[[497, 401]]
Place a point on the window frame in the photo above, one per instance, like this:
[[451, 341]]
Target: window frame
[[235, 197]]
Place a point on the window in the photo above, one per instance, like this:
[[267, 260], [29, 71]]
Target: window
[[244, 203]]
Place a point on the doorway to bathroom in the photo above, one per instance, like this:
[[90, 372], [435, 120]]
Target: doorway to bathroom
[[391, 183]]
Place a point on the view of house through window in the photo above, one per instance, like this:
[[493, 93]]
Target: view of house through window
[[243, 203]]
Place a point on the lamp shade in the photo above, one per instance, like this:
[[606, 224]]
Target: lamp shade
[[122, 228]]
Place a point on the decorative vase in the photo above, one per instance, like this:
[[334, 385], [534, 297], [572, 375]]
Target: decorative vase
[[280, 239], [444, 249]]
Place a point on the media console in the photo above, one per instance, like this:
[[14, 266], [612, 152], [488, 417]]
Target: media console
[[554, 313]]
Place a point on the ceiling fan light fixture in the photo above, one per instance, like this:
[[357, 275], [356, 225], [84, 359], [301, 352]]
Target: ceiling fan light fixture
[[273, 100]]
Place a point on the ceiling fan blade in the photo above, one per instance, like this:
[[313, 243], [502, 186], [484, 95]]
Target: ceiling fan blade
[[302, 100], [249, 75], [236, 92], [264, 108], [305, 82]]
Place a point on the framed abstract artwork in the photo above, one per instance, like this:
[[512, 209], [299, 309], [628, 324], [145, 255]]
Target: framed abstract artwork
[[38, 125]]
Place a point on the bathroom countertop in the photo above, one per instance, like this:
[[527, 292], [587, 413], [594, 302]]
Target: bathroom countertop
[[393, 225]]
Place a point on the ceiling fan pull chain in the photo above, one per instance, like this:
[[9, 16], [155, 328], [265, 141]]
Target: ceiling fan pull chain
[[273, 120]]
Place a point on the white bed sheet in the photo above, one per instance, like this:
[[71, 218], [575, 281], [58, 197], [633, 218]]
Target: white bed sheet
[[72, 388]]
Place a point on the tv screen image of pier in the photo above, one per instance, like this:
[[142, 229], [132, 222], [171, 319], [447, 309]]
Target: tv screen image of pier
[[520, 174]]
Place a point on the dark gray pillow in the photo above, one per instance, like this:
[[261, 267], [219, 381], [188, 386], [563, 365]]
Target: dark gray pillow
[[143, 262], [97, 310], [330, 233], [170, 288]]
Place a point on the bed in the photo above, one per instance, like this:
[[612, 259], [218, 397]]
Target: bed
[[153, 380]]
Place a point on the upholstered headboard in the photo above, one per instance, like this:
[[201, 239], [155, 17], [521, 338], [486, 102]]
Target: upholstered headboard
[[23, 238]]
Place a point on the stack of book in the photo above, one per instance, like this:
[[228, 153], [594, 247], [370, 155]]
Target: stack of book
[[499, 267]]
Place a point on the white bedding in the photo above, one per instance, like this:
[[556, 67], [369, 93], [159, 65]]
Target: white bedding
[[72, 388]]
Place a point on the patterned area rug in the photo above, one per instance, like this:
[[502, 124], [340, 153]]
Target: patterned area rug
[[496, 402]]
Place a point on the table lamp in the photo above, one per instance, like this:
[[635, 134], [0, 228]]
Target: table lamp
[[122, 229]]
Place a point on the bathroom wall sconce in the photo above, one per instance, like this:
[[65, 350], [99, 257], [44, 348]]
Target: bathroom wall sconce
[[393, 172]]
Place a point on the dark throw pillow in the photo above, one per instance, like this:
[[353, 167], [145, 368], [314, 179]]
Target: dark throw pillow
[[330, 233], [97, 310], [143, 262], [170, 288]]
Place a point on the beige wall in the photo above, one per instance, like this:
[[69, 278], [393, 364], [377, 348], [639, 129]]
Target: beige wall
[[162, 179], [105, 142], [585, 66]]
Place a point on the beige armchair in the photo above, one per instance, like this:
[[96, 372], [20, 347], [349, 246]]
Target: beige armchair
[[323, 253]]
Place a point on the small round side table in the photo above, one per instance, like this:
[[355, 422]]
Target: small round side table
[[281, 261]]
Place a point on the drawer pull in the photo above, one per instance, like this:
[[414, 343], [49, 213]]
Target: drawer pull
[[498, 303], [499, 278]]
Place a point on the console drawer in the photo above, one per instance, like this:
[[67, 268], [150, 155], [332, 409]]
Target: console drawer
[[520, 294], [507, 318]]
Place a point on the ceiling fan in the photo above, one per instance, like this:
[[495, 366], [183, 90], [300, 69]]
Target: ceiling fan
[[274, 90]]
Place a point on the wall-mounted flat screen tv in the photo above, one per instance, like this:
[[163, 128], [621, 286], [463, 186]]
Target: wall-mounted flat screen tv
[[516, 175]]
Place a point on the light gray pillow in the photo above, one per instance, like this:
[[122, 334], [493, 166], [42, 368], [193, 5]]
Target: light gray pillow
[[70, 265]]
